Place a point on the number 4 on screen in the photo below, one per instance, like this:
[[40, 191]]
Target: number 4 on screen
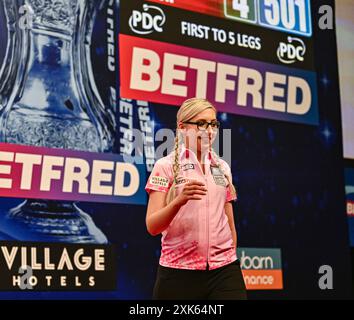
[[244, 10]]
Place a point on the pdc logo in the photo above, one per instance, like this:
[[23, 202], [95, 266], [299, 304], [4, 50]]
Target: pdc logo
[[151, 19], [292, 51]]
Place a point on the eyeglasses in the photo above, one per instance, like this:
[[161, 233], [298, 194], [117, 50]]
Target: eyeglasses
[[203, 125]]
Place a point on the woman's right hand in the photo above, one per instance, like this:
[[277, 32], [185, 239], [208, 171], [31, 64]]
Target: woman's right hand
[[193, 190]]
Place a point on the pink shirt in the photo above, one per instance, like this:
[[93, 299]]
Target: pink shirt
[[199, 234]]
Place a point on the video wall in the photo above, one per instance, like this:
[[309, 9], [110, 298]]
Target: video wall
[[89, 92]]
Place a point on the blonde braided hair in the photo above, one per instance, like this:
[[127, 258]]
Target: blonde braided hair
[[231, 186], [176, 166]]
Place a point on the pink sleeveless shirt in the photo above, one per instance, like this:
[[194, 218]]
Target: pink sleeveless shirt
[[199, 234]]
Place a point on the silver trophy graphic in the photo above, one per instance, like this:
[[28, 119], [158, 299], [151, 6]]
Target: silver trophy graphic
[[48, 97]]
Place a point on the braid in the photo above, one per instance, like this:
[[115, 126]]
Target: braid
[[232, 187], [176, 162], [176, 166]]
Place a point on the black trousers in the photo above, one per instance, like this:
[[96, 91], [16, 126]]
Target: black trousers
[[223, 283]]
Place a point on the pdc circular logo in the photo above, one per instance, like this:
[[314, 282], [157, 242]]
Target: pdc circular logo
[[292, 51], [151, 19]]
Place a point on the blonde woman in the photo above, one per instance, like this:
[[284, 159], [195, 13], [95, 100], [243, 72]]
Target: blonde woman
[[190, 194]]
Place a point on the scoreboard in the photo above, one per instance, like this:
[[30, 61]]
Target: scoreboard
[[264, 45], [291, 16]]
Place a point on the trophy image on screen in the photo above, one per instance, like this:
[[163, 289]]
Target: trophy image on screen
[[48, 98]]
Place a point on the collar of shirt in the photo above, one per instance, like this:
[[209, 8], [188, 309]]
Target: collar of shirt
[[186, 153]]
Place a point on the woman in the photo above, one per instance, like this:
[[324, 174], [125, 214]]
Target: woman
[[190, 193]]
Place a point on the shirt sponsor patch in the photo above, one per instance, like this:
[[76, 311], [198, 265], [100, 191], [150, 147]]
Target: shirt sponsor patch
[[187, 166], [182, 180], [159, 181], [218, 176]]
